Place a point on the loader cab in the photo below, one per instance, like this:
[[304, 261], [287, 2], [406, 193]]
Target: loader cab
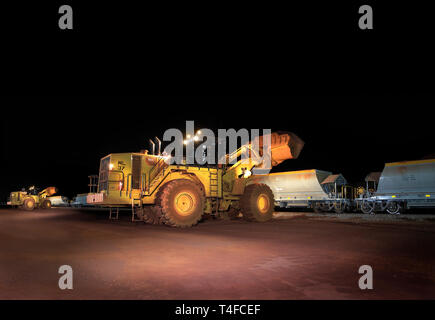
[[32, 191], [112, 173], [124, 173]]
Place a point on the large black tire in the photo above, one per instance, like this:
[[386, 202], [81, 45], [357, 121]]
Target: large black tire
[[231, 214], [29, 204], [152, 215], [45, 204], [139, 212], [181, 203], [257, 203]]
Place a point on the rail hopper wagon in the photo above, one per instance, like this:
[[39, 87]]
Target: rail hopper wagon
[[81, 200], [59, 201], [316, 189], [400, 186], [162, 192]]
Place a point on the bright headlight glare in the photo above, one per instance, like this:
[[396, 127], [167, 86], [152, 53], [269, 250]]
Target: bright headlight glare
[[247, 174]]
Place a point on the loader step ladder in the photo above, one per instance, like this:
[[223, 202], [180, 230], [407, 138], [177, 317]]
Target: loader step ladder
[[110, 213], [214, 184], [214, 188]]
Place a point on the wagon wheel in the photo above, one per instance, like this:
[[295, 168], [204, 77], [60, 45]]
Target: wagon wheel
[[368, 207], [339, 207], [318, 208], [330, 206], [394, 207]]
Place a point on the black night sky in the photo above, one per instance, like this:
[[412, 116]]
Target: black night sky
[[59, 140]]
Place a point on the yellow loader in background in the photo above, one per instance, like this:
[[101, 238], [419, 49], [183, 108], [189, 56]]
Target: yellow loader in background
[[30, 199]]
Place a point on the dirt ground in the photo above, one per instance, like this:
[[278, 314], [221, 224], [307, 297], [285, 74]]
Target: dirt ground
[[295, 256]]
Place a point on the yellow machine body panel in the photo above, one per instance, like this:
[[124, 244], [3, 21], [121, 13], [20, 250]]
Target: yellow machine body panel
[[17, 198], [136, 177]]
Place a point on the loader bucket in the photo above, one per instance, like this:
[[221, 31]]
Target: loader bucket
[[284, 146], [50, 191]]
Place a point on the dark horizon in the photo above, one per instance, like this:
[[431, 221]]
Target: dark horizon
[[61, 144]]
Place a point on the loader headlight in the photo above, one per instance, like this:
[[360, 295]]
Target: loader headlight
[[111, 166], [247, 173]]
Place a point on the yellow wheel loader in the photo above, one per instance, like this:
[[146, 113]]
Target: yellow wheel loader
[[179, 195], [30, 199]]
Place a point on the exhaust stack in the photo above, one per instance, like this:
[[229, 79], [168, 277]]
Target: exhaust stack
[[159, 143], [153, 147]]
